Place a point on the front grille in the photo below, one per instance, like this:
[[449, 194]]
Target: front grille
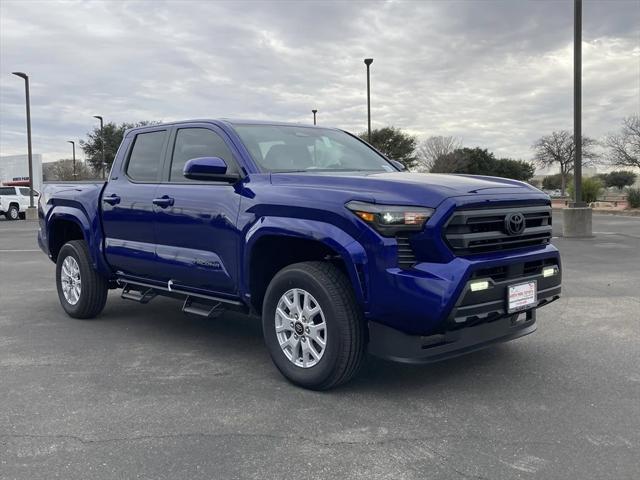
[[470, 232], [406, 257]]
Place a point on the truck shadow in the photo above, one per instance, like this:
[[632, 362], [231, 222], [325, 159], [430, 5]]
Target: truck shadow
[[234, 341]]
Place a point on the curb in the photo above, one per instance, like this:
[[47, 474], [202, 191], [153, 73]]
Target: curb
[[622, 213]]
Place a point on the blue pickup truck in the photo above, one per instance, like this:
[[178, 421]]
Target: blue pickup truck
[[334, 246]]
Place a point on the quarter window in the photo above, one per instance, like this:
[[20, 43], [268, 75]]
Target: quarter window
[[195, 143], [146, 156]]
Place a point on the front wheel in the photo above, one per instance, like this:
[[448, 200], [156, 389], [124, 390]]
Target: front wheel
[[82, 291], [313, 326], [13, 213]]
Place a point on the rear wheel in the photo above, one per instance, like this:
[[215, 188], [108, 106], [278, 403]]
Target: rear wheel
[[82, 291], [313, 326], [13, 213]]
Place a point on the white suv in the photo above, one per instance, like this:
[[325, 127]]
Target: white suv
[[14, 201]]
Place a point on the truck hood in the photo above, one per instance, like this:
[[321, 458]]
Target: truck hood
[[427, 189]]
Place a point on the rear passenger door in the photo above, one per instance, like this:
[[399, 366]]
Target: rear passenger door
[[197, 239], [128, 206]]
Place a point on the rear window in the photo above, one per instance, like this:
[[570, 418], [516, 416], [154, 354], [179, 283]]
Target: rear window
[[146, 156], [7, 191]]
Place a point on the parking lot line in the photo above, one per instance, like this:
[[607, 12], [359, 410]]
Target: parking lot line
[[15, 250]]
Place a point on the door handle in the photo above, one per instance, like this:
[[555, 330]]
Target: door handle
[[113, 199], [164, 201]]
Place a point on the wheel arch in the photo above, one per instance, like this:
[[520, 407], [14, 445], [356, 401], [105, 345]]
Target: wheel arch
[[63, 228], [275, 242]]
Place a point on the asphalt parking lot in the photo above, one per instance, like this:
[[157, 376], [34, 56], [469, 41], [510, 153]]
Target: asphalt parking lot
[[146, 392]]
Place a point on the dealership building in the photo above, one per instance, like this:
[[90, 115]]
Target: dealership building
[[14, 170]]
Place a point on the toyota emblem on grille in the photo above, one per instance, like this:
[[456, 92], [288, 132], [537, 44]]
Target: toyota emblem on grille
[[514, 224]]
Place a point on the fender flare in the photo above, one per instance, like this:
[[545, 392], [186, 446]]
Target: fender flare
[[350, 250], [80, 218]]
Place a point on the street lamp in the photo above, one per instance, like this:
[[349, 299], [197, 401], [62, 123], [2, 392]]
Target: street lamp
[[30, 214], [368, 62], [73, 144], [101, 141], [314, 111]]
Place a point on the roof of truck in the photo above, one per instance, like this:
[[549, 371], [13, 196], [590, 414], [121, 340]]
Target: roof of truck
[[231, 122]]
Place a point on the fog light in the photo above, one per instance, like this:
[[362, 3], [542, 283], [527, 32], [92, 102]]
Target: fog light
[[549, 271], [479, 285]]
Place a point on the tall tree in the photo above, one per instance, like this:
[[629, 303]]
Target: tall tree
[[624, 147], [432, 148], [558, 149], [554, 182], [619, 179], [62, 170], [516, 169], [478, 161], [113, 134], [394, 144]]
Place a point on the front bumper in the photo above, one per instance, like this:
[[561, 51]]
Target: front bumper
[[426, 298], [392, 344]]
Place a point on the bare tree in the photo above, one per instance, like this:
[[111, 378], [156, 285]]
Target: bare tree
[[62, 170], [434, 148], [559, 149], [624, 148]]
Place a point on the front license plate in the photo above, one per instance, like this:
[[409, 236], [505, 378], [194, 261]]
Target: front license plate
[[521, 296]]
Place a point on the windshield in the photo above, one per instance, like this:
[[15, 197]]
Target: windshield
[[284, 148]]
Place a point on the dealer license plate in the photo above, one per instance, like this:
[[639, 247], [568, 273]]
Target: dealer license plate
[[522, 296]]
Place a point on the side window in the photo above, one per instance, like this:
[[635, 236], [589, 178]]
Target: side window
[[194, 143], [24, 191], [7, 191], [146, 156]]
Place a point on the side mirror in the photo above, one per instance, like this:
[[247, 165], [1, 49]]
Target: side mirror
[[207, 168], [399, 165]]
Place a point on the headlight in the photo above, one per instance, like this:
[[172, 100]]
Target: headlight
[[391, 219]]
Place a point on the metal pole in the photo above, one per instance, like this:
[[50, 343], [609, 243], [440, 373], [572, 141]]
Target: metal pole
[[314, 111], [29, 151], [101, 141], [368, 62], [577, 101], [73, 144]]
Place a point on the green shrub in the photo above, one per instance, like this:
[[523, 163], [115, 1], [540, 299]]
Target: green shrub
[[591, 189], [633, 197]]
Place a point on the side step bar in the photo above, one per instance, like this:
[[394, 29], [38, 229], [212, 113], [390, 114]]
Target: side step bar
[[201, 309], [134, 293], [195, 303]]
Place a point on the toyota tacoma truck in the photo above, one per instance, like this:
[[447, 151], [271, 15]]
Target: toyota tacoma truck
[[338, 250]]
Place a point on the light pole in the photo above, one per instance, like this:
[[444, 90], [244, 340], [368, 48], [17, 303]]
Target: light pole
[[73, 144], [29, 151], [577, 101], [368, 62], [314, 111], [577, 218], [101, 141]]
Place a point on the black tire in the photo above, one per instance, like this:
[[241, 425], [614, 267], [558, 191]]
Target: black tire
[[13, 213], [94, 287], [346, 334]]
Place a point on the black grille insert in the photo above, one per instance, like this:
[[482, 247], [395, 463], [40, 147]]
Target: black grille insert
[[483, 230], [406, 257]]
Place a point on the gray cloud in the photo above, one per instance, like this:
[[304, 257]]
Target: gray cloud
[[496, 73]]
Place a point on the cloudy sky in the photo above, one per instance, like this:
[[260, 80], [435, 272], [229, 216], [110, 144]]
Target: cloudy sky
[[498, 74]]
